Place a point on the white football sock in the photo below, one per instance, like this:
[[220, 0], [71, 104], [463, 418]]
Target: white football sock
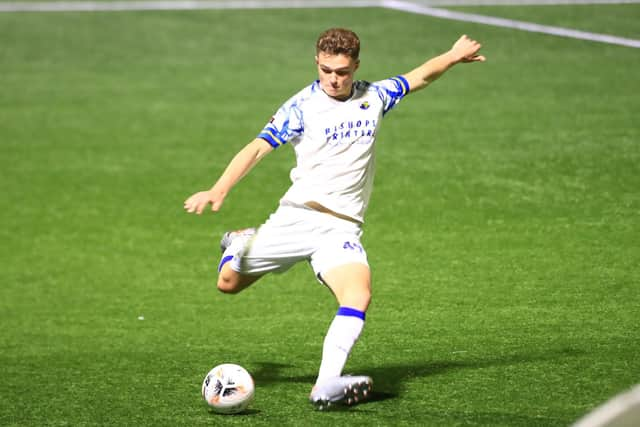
[[234, 249], [341, 336]]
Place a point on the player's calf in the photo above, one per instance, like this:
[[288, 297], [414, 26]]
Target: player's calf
[[232, 282]]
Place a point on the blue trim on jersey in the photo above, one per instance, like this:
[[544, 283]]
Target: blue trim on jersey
[[271, 137], [269, 140], [404, 83], [223, 261], [277, 137], [402, 86], [352, 312], [295, 109]]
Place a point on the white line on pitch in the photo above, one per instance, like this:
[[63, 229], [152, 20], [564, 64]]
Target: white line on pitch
[[520, 2], [92, 6], [509, 23], [405, 6]]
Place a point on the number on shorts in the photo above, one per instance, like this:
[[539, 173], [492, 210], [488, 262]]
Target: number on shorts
[[353, 246]]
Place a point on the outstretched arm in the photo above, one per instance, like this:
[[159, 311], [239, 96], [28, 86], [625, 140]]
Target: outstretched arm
[[239, 166], [464, 50]]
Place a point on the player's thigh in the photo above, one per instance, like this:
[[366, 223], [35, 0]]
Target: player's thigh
[[341, 263], [351, 284]]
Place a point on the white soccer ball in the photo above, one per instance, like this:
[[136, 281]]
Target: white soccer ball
[[228, 388]]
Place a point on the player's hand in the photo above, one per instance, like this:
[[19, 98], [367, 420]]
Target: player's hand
[[199, 201], [466, 50]]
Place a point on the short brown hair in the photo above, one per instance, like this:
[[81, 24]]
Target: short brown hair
[[336, 41]]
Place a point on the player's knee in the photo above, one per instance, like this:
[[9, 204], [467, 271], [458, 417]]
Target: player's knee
[[362, 294], [357, 298], [365, 299], [231, 282], [228, 285], [368, 296]]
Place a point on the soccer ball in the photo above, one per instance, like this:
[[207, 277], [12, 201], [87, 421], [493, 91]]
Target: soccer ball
[[228, 388]]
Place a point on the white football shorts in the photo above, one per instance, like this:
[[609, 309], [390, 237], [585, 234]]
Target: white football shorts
[[298, 233]]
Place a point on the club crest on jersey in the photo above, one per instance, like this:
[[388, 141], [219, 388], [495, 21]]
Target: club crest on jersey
[[365, 105]]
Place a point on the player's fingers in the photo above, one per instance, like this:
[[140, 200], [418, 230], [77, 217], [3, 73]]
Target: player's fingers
[[190, 203], [473, 46], [202, 204], [476, 58]]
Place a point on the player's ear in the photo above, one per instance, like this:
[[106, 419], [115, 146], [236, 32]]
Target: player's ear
[[316, 57], [356, 65]]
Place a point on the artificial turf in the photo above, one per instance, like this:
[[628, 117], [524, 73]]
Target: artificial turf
[[502, 232]]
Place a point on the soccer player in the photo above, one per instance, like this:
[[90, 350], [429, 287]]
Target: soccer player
[[332, 125]]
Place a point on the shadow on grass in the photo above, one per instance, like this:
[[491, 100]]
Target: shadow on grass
[[389, 379], [246, 412], [270, 373]]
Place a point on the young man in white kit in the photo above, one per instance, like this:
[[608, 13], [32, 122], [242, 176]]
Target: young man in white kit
[[332, 125]]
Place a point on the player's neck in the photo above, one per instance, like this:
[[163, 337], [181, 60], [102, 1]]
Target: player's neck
[[341, 98]]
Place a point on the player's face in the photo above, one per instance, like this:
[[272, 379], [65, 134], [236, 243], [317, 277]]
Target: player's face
[[336, 74]]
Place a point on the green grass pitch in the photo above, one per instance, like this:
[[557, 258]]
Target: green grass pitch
[[503, 233]]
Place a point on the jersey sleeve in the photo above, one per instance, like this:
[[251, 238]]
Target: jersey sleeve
[[391, 91], [285, 125]]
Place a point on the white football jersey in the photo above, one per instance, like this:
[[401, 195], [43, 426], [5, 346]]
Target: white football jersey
[[334, 143]]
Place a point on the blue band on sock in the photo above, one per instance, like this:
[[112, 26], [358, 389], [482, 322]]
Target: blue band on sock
[[347, 311], [223, 261]]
